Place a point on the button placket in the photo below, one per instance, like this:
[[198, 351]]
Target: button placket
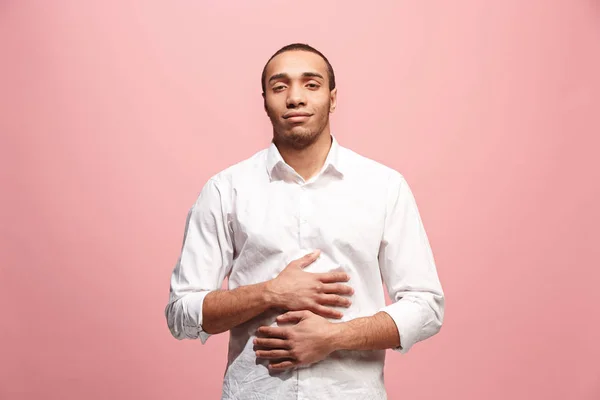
[[304, 210]]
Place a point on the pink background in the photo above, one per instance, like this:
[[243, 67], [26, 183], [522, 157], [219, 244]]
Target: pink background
[[114, 114]]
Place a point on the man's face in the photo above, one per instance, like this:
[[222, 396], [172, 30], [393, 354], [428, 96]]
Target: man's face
[[297, 97]]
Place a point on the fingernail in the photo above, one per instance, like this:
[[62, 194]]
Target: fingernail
[[255, 341]]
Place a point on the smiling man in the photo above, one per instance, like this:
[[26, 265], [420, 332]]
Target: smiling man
[[305, 231]]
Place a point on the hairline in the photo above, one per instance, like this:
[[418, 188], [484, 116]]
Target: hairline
[[328, 67]]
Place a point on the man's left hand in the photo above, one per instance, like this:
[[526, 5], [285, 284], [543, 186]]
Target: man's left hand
[[306, 342]]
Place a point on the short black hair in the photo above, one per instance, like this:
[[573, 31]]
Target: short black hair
[[300, 47]]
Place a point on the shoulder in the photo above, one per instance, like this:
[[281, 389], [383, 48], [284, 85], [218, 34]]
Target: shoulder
[[364, 167], [245, 170], [220, 186]]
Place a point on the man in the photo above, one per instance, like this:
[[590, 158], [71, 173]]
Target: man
[[305, 231]]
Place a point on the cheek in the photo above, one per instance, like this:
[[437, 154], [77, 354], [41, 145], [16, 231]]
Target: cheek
[[323, 108], [270, 112], [273, 108]]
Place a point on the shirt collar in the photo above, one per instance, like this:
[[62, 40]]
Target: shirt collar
[[333, 161]]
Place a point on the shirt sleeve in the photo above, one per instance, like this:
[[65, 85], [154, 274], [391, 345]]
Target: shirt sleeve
[[408, 269], [206, 259]]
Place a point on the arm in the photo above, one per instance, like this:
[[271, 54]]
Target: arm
[[378, 332], [292, 289], [408, 269], [225, 309], [206, 259], [312, 338]]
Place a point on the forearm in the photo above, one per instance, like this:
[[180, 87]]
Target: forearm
[[377, 332], [225, 309]]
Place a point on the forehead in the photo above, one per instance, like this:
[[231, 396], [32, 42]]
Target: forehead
[[295, 63]]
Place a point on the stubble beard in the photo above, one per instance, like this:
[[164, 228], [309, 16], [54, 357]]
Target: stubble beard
[[299, 137]]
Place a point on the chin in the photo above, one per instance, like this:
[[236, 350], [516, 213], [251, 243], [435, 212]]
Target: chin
[[298, 137]]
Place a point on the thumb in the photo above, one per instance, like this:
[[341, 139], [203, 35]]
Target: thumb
[[309, 258], [292, 316]]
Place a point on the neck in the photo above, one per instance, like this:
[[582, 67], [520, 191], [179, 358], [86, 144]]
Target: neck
[[307, 162]]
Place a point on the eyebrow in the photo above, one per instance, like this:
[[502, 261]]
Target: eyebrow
[[304, 75]]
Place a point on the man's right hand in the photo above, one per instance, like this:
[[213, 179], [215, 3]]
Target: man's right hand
[[295, 289]]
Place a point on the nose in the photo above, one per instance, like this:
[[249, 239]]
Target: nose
[[295, 97]]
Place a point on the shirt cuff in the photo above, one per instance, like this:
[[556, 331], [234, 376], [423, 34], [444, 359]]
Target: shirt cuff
[[408, 316], [193, 326]]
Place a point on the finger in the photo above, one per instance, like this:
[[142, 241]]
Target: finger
[[282, 365], [327, 312], [337, 288], [308, 259], [273, 354], [273, 332], [292, 316], [333, 277], [334, 300], [272, 343]]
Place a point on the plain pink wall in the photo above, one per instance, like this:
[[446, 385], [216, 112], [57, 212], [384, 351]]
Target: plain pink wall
[[114, 114]]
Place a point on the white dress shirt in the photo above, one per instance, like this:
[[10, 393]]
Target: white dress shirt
[[255, 217]]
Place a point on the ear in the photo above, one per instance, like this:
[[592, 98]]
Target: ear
[[333, 100]]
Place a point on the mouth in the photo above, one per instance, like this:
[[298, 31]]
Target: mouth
[[297, 116]]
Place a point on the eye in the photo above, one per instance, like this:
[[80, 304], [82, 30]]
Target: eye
[[313, 85], [278, 88]]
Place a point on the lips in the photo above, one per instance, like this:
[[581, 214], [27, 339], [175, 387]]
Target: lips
[[296, 115]]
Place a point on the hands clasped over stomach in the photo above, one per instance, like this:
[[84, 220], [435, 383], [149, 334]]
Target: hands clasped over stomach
[[308, 298], [295, 289]]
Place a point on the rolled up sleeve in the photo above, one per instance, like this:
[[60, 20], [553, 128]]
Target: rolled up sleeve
[[205, 260], [408, 269]]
